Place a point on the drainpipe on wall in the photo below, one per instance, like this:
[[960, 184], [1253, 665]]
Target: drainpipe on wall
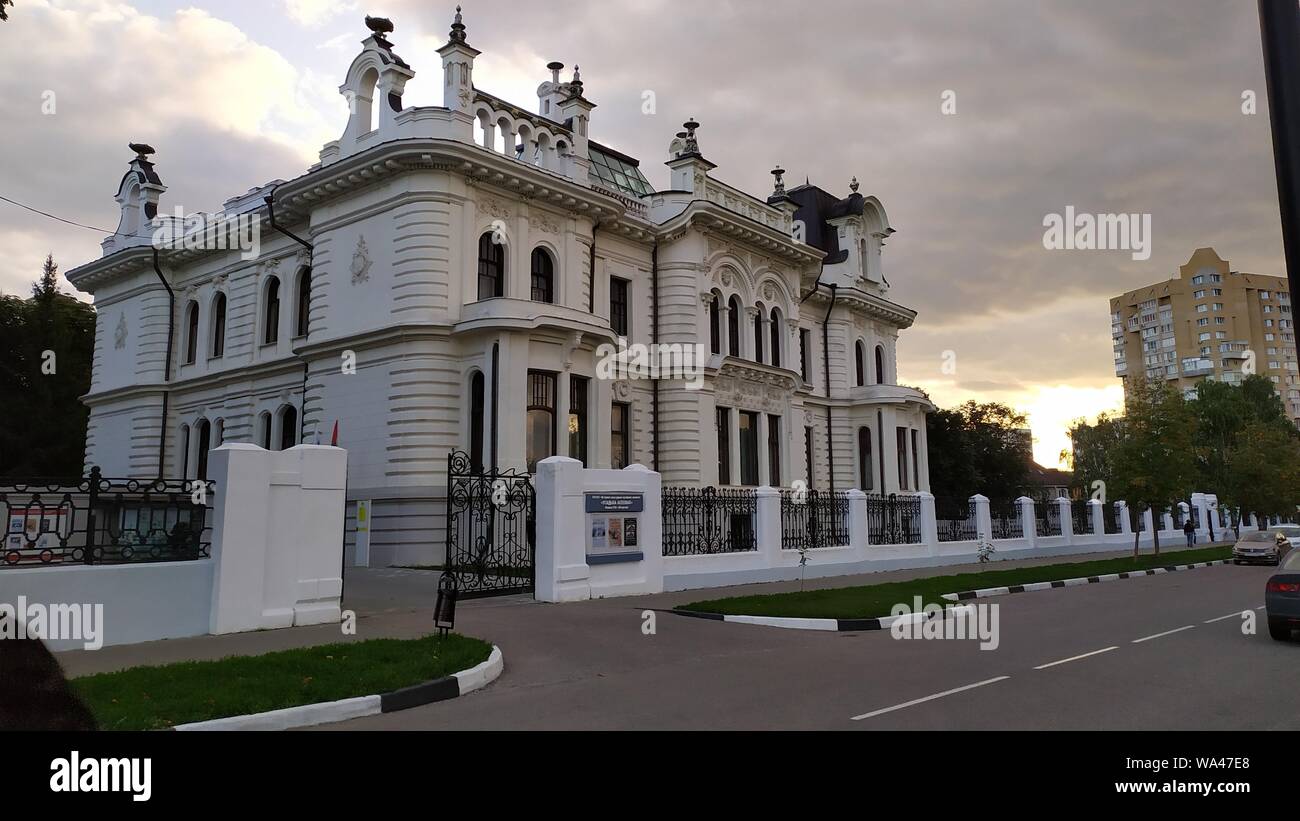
[[270, 211], [167, 363], [654, 312], [826, 367], [496, 362]]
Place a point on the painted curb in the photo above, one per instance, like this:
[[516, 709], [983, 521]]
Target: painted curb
[[826, 625], [986, 592], [305, 715]]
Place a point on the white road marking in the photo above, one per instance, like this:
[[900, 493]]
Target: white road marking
[[1075, 658], [914, 702], [1236, 615], [1166, 633]]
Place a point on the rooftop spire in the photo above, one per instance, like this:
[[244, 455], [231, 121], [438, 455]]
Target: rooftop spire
[[691, 146], [853, 185], [457, 34]]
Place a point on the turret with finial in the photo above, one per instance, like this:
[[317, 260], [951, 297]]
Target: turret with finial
[[853, 185], [457, 34], [778, 188]]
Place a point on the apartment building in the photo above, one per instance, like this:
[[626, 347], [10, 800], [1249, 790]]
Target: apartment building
[[1209, 322]]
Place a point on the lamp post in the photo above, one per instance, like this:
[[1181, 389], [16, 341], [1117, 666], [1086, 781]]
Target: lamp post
[[1279, 24]]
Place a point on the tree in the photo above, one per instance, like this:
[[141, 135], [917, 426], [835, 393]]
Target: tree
[[1153, 462], [4, 15], [1222, 412], [977, 448], [48, 342], [1263, 471], [1092, 448]]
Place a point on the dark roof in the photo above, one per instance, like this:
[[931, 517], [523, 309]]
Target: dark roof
[[816, 209]]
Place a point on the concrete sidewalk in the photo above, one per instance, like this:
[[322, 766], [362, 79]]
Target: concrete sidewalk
[[398, 603]]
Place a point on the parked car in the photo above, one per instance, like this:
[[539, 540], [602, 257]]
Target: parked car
[[1282, 598], [1263, 546]]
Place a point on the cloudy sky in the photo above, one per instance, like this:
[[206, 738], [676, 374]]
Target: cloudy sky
[[1108, 106]]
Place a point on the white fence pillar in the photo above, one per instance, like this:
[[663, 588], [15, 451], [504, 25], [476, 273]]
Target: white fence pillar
[[1149, 521], [929, 523], [1067, 519], [1096, 517], [277, 536], [983, 517], [1028, 523], [767, 524], [858, 539], [1125, 526], [561, 572]]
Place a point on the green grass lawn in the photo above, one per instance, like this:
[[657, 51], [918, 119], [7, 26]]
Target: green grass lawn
[[156, 698], [875, 600]]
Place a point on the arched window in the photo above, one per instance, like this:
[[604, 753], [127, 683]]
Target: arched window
[[861, 365], [715, 325], [288, 427], [271, 319], [880, 365], [777, 330], [264, 430], [864, 459], [303, 309], [543, 276], [191, 332], [758, 335], [491, 267], [733, 326], [219, 324], [204, 430], [476, 412]]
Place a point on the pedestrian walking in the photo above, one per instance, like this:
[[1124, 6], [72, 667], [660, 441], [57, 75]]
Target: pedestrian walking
[[1189, 530]]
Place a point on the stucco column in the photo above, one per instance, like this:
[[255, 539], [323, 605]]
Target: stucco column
[[983, 517], [1067, 519], [1028, 526], [562, 413], [1096, 517], [763, 472], [858, 538], [929, 523], [767, 524]]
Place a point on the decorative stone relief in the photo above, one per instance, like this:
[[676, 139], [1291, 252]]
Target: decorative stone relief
[[543, 223], [119, 335], [622, 391], [494, 208], [769, 292], [360, 262]]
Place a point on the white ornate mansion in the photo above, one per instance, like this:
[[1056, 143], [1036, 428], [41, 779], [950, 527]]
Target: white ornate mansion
[[442, 279]]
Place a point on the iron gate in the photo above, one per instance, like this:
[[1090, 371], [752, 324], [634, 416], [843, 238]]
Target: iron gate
[[491, 529]]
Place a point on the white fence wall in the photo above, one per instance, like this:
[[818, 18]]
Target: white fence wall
[[564, 575]]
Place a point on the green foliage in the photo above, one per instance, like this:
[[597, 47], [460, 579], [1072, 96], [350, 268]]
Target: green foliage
[[1154, 464], [4, 15], [1092, 449], [1263, 470], [42, 418], [975, 448]]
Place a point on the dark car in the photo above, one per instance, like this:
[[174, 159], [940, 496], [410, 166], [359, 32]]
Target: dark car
[[1282, 598], [1261, 547]]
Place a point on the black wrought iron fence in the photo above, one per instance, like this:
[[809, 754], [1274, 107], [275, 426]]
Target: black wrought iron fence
[[100, 520], [1047, 517], [1004, 519], [955, 518], [702, 520], [1080, 517], [1110, 517], [814, 518], [893, 519]]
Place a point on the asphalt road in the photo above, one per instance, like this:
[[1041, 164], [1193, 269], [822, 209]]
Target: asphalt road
[[1161, 652]]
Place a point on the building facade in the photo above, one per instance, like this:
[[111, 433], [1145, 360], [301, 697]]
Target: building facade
[[1209, 322], [451, 277]]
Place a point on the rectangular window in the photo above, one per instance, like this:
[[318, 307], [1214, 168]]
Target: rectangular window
[[619, 426], [578, 419], [805, 353], [901, 438], [618, 305], [808, 454], [1203, 321], [748, 448], [1199, 294], [724, 445], [773, 450], [916, 463], [541, 417]]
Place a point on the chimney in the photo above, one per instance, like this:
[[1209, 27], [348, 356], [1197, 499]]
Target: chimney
[[551, 93]]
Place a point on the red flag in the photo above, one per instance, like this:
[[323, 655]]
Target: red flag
[[334, 437]]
